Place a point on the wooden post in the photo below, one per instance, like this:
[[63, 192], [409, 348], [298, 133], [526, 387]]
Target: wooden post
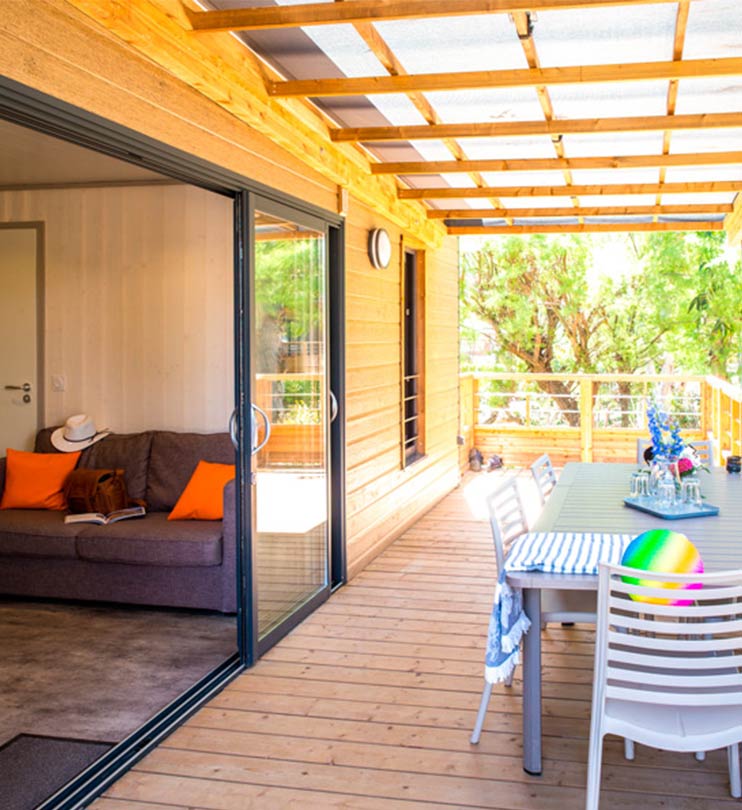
[[586, 419]]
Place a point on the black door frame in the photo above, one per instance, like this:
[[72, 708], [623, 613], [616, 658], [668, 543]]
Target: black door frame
[[28, 107]]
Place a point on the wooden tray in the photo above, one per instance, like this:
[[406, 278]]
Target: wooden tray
[[677, 512]]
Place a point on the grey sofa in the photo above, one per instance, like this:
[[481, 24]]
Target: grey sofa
[[149, 560]]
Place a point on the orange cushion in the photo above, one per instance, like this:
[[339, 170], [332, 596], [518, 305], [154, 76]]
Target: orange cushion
[[203, 497], [36, 480]]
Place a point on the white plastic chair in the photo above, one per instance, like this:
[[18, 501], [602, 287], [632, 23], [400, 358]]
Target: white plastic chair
[[544, 477], [671, 680], [704, 449], [508, 520]]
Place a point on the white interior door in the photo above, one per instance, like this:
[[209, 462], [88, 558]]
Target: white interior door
[[18, 338]]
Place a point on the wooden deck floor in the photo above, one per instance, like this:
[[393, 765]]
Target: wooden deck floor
[[370, 702]]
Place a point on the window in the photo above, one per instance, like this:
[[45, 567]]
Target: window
[[413, 357]]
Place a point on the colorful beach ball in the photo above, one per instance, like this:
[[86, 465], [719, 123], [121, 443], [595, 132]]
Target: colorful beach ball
[[667, 552]]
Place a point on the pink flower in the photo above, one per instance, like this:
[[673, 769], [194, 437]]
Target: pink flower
[[685, 465]]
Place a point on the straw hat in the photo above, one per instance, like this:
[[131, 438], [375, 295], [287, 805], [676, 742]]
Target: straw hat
[[77, 433]]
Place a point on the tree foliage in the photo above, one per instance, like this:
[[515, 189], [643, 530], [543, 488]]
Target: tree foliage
[[551, 308]]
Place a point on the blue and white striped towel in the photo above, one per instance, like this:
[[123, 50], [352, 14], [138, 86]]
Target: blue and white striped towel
[[565, 552], [552, 553]]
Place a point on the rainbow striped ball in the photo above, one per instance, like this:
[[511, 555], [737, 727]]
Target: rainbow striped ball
[[667, 552]]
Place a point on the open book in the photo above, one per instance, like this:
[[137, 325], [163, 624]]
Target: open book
[[112, 517]]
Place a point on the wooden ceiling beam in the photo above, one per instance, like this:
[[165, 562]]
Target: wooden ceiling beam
[[522, 77], [509, 129], [447, 193], [369, 11], [555, 164], [579, 211], [612, 227]]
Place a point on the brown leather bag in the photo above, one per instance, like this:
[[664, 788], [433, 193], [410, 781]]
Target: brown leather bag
[[89, 490]]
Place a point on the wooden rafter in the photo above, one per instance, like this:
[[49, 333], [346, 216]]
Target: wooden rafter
[[597, 190], [522, 77], [681, 25], [552, 164], [612, 227], [509, 129], [581, 211], [368, 11]]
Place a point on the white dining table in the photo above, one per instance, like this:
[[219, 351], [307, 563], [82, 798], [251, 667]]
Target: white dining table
[[589, 498]]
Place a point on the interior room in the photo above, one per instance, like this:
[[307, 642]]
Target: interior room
[[116, 303]]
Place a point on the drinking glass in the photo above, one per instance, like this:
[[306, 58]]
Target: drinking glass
[[666, 493], [691, 493], [639, 487]]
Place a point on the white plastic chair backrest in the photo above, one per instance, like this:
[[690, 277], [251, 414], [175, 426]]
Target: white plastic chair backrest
[[679, 655], [544, 476], [704, 449], [507, 517]]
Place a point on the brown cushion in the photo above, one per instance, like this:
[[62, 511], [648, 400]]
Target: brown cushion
[[121, 451], [153, 540], [36, 533], [173, 459]]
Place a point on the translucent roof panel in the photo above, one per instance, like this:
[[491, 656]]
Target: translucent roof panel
[[605, 35], [617, 220], [490, 104], [711, 140], [538, 202], [593, 177], [609, 100], [398, 109], [617, 199], [452, 44], [482, 149], [703, 174], [717, 94], [713, 30], [540, 178], [347, 49], [688, 199], [625, 143], [433, 150], [546, 221]]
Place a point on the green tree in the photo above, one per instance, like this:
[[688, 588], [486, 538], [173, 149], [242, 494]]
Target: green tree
[[551, 310]]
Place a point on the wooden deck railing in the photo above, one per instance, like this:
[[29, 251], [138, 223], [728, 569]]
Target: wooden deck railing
[[590, 417]]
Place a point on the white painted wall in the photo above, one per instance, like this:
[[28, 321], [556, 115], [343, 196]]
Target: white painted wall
[[138, 304]]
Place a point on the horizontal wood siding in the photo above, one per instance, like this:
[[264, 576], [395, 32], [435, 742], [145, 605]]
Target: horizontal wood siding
[[383, 498]]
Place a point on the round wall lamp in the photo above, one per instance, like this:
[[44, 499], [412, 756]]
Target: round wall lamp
[[379, 248]]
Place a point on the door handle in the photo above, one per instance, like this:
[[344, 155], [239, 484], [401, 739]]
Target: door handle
[[256, 448], [333, 407], [25, 387], [233, 429]]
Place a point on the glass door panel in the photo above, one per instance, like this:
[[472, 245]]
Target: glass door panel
[[291, 495]]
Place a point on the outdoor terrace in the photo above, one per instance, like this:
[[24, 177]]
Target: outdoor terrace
[[370, 703]]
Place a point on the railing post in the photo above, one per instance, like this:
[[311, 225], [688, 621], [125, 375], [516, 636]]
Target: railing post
[[586, 419]]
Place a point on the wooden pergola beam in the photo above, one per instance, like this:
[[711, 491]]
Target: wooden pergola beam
[[368, 11], [613, 227], [554, 128], [552, 164], [581, 211], [522, 77], [447, 193]]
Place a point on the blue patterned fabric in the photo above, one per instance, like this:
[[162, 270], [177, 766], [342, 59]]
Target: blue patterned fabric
[[550, 552]]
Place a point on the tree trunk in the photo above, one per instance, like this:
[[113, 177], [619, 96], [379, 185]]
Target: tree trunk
[[568, 405]]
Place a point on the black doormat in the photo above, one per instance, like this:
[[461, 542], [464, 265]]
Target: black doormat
[[33, 767]]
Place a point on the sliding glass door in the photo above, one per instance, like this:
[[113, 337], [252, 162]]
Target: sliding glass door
[[292, 407]]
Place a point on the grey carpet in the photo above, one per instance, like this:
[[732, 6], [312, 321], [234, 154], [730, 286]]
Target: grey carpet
[[32, 768], [96, 672]]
